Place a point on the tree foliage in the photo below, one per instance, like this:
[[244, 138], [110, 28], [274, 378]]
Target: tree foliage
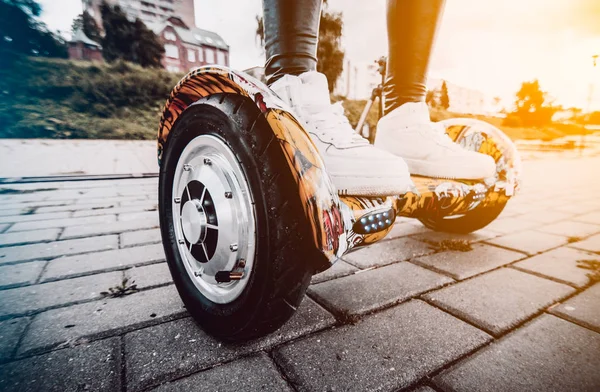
[[21, 33], [88, 24], [329, 50], [131, 41], [444, 98], [532, 105]]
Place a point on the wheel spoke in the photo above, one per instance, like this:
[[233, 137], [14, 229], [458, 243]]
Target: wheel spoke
[[205, 252], [202, 196], [211, 226], [187, 190]]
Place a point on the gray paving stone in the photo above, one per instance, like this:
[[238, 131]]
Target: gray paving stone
[[78, 207], [404, 227], [592, 217], [137, 201], [25, 300], [140, 215], [20, 274], [58, 248], [546, 216], [87, 367], [571, 228], [512, 224], [548, 354], [108, 228], [387, 252], [37, 206], [375, 289], [4, 227], [102, 261], [28, 237], [462, 265], [140, 237], [560, 264], [163, 352], [34, 217], [339, 269], [577, 208], [530, 241], [583, 309], [499, 300], [387, 351], [113, 209], [66, 222], [101, 318], [249, 374], [150, 275], [116, 199], [591, 244], [10, 332], [438, 236]]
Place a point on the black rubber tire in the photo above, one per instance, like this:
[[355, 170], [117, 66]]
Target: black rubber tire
[[468, 223], [282, 268]]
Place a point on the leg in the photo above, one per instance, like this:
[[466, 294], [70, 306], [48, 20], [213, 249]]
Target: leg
[[291, 37], [406, 129], [354, 166], [412, 26]]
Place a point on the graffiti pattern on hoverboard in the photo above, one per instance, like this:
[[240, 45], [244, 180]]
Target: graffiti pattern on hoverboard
[[331, 217]]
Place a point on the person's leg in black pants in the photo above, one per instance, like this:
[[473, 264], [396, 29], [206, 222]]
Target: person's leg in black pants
[[291, 37], [406, 129], [354, 166]]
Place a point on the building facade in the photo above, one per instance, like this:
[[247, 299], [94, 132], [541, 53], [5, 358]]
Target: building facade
[[83, 48], [187, 48], [148, 11]]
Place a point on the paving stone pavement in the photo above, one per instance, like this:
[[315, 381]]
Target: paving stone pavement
[[514, 313]]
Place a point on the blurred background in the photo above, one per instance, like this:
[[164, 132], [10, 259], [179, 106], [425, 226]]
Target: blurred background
[[95, 69]]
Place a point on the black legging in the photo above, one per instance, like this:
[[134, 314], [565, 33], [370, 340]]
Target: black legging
[[291, 37]]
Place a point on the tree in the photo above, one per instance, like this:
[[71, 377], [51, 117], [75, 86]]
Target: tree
[[21, 33], [131, 41], [444, 98], [88, 24], [329, 51], [532, 105]]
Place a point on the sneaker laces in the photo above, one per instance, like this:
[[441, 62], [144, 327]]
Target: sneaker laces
[[438, 131], [330, 124]]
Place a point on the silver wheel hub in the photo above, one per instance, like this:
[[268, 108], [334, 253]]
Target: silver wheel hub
[[213, 218], [193, 222]]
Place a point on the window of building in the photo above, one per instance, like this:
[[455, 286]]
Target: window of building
[[171, 51], [200, 55], [191, 55], [210, 56], [170, 36], [172, 68], [220, 58]]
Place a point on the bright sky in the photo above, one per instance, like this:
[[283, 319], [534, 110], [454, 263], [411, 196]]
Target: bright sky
[[491, 46]]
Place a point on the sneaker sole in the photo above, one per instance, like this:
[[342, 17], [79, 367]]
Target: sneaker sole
[[438, 170], [349, 186]]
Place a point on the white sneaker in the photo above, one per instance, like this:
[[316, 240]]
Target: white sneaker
[[409, 133], [354, 166]]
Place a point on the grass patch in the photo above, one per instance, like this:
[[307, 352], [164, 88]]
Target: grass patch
[[61, 99], [593, 266], [126, 287], [452, 244]]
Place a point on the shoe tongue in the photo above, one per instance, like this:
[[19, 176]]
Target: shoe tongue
[[411, 113], [315, 91]]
